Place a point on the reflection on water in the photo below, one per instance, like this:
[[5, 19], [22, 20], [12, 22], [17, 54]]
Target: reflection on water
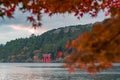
[[51, 71]]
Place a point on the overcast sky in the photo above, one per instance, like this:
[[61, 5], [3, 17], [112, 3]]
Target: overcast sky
[[18, 27]]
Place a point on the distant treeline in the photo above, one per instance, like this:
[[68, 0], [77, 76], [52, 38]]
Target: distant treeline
[[24, 49]]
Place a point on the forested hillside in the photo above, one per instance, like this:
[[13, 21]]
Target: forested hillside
[[25, 49]]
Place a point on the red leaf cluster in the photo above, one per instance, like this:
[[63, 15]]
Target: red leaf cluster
[[51, 7], [101, 45], [99, 48]]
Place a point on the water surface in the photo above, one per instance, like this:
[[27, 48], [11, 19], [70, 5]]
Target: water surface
[[51, 71]]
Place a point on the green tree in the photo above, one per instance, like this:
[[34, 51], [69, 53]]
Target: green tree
[[79, 8]]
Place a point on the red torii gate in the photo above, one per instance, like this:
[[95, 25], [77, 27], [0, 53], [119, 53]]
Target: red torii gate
[[46, 58]]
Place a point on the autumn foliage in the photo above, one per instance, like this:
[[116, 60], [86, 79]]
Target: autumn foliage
[[101, 45], [51, 7], [59, 54], [98, 49]]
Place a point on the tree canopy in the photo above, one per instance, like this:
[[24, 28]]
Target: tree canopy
[[51, 7], [100, 45], [51, 42]]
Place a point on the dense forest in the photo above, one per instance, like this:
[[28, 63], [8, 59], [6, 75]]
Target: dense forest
[[53, 41]]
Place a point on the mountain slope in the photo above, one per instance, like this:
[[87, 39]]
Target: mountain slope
[[24, 49]]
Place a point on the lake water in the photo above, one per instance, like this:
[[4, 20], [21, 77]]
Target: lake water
[[51, 71]]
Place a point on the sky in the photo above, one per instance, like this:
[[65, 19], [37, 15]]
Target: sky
[[19, 27]]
